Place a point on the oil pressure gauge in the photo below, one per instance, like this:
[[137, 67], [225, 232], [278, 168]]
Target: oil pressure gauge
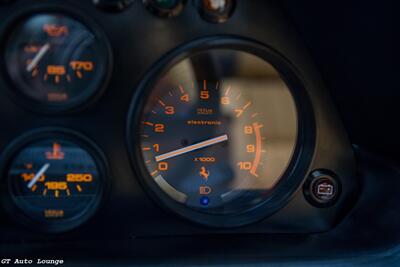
[[54, 183], [56, 62]]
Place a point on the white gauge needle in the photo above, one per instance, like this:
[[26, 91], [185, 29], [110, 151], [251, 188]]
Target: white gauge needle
[[38, 175], [191, 148], [43, 50]]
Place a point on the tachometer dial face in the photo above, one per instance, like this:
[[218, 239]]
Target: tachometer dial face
[[54, 183], [55, 61], [218, 131]]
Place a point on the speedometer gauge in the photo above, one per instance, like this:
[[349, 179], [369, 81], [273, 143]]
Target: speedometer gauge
[[56, 62], [54, 182], [218, 135]]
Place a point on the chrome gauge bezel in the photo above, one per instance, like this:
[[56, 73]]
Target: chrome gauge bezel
[[10, 203], [87, 99], [301, 159]]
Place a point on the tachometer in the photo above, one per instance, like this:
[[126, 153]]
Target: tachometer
[[204, 143], [218, 132], [56, 62]]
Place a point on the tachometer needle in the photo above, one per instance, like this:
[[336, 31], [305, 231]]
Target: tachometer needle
[[38, 175], [191, 148], [43, 50]]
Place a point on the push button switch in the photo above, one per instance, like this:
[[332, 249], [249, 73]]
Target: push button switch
[[322, 189], [113, 5], [165, 8], [216, 11]]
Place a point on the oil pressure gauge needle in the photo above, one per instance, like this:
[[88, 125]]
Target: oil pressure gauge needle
[[43, 50], [42, 170], [191, 148]]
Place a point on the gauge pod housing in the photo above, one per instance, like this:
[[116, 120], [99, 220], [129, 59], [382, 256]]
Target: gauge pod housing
[[233, 118], [53, 180], [55, 61]]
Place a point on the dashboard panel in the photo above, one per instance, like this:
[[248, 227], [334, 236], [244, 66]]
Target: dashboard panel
[[133, 123]]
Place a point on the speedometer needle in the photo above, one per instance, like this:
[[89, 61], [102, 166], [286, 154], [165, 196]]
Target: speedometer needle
[[191, 148], [38, 175], [43, 50]]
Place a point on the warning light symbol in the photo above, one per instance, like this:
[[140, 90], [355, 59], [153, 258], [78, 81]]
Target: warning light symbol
[[204, 173], [54, 30], [29, 166], [325, 189], [56, 153], [204, 190]]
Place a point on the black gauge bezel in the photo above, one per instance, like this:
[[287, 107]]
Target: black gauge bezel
[[162, 12], [215, 17], [9, 202], [84, 101], [293, 176]]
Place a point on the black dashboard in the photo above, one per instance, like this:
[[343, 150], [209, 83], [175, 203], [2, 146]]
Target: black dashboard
[[215, 132]]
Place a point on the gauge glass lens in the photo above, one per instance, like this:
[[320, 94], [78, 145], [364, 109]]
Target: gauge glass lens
[[55, 60], [218, 131], [54, 180]]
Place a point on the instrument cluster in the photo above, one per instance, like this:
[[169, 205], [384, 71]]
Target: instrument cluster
[[221, 131]]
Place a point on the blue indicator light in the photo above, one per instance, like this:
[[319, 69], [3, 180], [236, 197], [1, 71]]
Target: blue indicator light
[[204, 201]]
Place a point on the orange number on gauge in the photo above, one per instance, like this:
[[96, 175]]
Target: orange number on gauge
[[244, 165], [248, 129], [156, 147], [159, 128], [82, 65], [55, 70], [185, 98], [225, 100], [29, 176], [204, 95], [75, 177], [56, 185], [169, 110], [250, 148]]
